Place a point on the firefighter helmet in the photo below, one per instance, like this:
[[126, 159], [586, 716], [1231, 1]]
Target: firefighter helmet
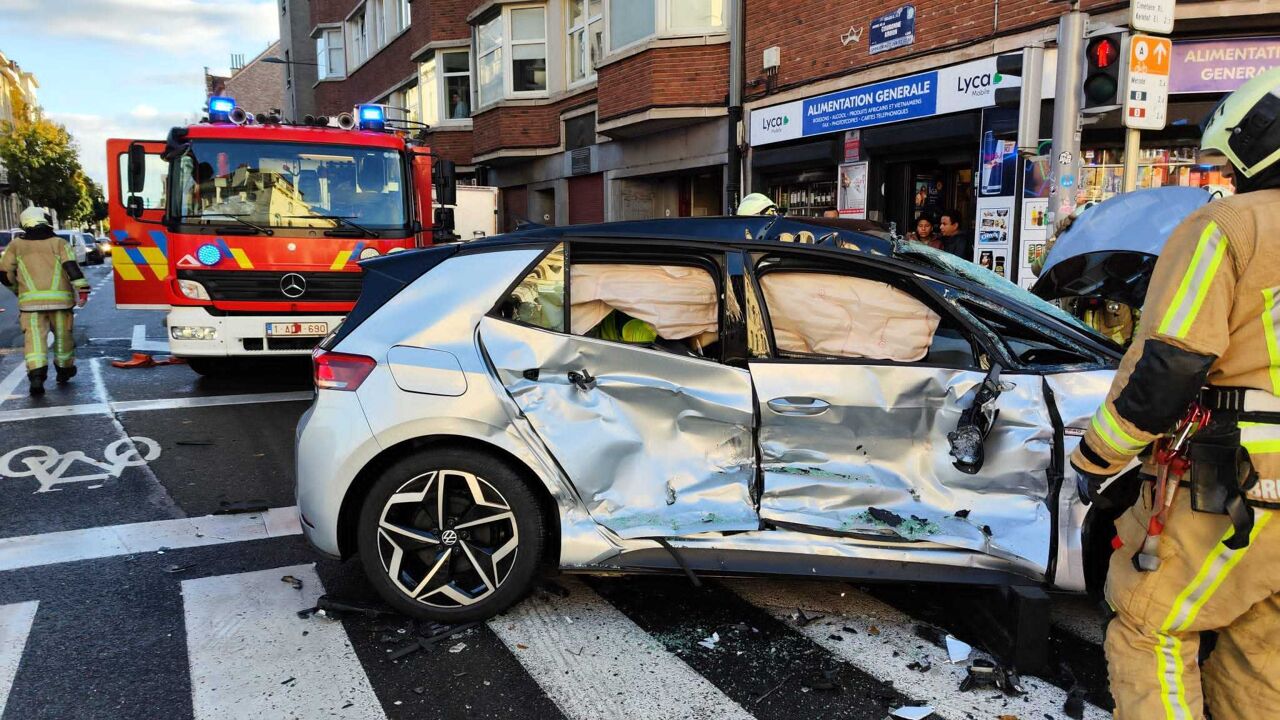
[[33, 217], [757, 204], [1245, 127]]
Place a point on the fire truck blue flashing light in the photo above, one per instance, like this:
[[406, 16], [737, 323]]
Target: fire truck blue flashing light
[[220, 108], [371, 117], [208, 255]]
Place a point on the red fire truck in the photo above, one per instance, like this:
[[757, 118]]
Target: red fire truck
[[248, 230]]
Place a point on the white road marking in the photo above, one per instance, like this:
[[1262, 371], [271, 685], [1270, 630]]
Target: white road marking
[[110, 408], [11, 381], [142, 344], [49, 467], [245, 642], [594, 662], [112, 540], [1079, 616], [15, 626], [845, 606]]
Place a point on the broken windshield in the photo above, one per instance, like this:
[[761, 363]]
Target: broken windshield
[[958, 266], [291, 185]]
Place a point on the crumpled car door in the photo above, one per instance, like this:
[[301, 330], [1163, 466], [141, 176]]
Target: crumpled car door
[[657, 445], [862, 450]]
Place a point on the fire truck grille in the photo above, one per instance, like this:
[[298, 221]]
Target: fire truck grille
[[261, 286]]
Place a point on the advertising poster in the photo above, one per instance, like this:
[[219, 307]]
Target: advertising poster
[[852, 146], [1034, 237], [994, 235], [853, 190]]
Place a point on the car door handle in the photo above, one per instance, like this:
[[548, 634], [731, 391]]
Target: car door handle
[[128, 242], [798, 406]]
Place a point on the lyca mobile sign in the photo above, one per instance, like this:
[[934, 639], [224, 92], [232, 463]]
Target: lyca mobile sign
[[937, 92]]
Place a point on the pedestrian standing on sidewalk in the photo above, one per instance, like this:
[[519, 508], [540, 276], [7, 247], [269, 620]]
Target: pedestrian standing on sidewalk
[[40, 268], [1210, 560]]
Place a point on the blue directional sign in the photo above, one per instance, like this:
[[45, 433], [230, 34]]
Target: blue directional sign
[[893, 30]]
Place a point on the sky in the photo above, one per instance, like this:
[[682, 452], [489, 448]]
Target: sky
[[129, 68]]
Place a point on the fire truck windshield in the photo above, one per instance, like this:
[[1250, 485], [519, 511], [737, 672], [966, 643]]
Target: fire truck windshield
[[290, 185]]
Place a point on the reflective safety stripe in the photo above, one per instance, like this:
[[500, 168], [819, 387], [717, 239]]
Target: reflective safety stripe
[[1270, 319], [341, 261], [156, 260], [124, 267], [241, 258], [44, 296], [1186, 607], [1195, 283], [1260, 438], [1104, 423]]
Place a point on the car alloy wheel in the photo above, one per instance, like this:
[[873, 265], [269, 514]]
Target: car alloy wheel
[[447, 538]]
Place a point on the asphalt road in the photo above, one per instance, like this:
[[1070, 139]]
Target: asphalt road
[[122, 595]]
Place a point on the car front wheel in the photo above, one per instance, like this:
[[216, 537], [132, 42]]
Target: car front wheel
[[451, 536]]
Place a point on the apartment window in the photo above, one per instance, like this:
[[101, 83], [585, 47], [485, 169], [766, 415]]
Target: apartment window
[[511, 58], [586, 36], [445, 79], [411, 104], [288, 70], [357, 38], [631, 21], [330, 56]]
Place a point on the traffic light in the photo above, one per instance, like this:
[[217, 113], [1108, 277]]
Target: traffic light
[[1104, 62], [1028, 66]]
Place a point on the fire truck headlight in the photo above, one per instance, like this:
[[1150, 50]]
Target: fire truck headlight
[[191, 332], [193, 290], [208, 255], [367, 253]]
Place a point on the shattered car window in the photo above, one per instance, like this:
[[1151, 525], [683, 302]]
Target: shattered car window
[[949, 263], [539, 299], [843, 316], [645, 304]]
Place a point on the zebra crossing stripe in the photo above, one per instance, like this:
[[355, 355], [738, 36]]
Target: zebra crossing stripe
[[594, 662], [15, 626], [251, 656], [886, 651]]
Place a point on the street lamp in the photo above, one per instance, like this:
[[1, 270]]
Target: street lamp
[[279, 61]]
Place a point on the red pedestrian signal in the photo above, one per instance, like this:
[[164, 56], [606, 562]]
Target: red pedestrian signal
[[1103, 73]]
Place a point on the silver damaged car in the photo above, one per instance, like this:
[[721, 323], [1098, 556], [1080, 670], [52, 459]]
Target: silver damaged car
[[716, 395]]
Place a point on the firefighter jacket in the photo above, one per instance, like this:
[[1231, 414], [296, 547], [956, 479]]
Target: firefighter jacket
[[1212, 315], [43, 272]]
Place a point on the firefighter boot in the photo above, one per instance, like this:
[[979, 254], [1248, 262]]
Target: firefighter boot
[[37, 378], [64, 374]]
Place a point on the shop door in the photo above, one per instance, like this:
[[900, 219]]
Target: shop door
[[586, 199]]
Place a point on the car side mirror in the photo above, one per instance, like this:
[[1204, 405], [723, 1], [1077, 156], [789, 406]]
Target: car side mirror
[[137, 168], [444, 176], [970, 435]]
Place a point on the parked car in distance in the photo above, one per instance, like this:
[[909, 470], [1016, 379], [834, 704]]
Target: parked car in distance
[[76, 244], [747, 395], [93, 253], [104, 244]]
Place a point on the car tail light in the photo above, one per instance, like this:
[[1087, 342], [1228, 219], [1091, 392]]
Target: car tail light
[[340, 371]]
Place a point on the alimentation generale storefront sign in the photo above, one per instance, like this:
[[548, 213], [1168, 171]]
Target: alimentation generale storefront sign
[[967, 86]]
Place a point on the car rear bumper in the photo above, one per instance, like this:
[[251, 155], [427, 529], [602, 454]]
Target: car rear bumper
[[240, 335], [332, 444]]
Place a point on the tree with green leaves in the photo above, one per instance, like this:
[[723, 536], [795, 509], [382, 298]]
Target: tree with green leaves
[[44, 166]]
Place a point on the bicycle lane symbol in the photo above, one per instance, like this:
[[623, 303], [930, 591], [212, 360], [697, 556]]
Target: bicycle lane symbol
[[50, 467]]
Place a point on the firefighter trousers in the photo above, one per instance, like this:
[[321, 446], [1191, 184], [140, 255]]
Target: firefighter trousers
[[1153, 641], [35, 329]]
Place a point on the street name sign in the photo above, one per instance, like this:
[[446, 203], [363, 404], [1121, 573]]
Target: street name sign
[[1155, 16], [1146, 93]]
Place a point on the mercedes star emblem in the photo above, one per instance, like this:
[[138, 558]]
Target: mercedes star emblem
[[293, 285]]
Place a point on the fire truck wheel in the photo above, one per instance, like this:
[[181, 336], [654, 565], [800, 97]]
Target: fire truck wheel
[[451, 535], [210, 367]]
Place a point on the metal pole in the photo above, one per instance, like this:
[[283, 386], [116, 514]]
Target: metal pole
[[1132, 143], [1066, 116], [737, 62]]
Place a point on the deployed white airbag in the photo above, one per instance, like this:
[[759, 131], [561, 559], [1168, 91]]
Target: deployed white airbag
[[836, 315], [680, 302]]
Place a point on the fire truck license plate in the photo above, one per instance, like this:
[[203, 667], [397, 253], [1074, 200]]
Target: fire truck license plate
[[301, 329]]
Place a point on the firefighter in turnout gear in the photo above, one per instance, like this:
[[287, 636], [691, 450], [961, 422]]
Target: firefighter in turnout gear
[[40, 268], [1209, 340]]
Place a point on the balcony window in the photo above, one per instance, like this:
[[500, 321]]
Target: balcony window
[[586, 37], [330, 56], [357, 39], [511, 54], [632, 21]]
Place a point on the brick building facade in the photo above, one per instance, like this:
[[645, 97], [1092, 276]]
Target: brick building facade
[[602, 109], [257, 86]]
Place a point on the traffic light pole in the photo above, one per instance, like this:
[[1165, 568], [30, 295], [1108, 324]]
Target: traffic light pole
[[1132, 142], [1066, 117]]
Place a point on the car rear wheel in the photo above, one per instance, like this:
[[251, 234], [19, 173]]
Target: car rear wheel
[[451, 536]]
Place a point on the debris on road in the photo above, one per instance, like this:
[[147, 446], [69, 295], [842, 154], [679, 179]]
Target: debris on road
[[242, 506], [335, 608], [922, 665], [290, 681], [911, 712], [438, 632], [291, 580], [958, 651], [825, 683], [458, 648], [710, 642], [143, 360], [177, 568], [193, 442], [803, 620], [987, 674]]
